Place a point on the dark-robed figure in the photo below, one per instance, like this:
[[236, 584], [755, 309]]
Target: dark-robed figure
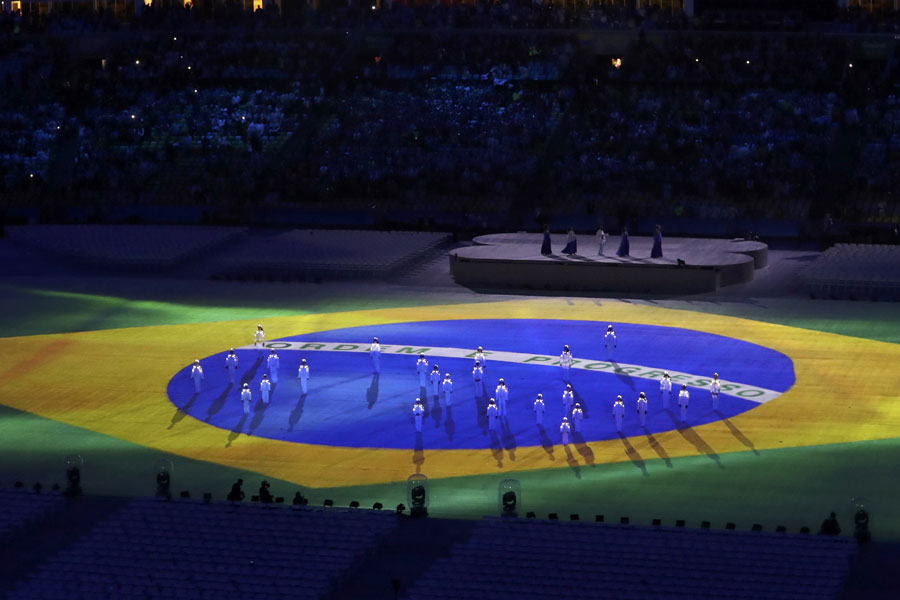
[[656, 252], [571, 243], [545, 246], [624, 246]]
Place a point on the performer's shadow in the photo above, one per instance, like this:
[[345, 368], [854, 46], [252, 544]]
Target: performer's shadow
[[250, 373], [688, 433], [236, 431], [497, 449], [546, 444], [583, 449], [508, 438], [418, 457], [737, 433], [217, 404], [633, 454], [437, 413], [657, 447], [449, 424], [372, 391], [259, 413], [623, 377], [573, 462], [580, 400], [481, 416], [183, 411], [297, 412]]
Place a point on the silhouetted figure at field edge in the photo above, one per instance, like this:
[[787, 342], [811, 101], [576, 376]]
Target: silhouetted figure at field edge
[[236, 494], [830, 526]]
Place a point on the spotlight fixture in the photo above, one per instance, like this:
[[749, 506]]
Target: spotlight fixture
[[657, 522], [730, 526], [598, 518], [328, 502], [354, 504], [377, 506], [400, 508], [624, 520], [207, 497], [530, 515], [756, 527], [705, 525], [185, 494], [574, 517], [781, 529], [553, 516]]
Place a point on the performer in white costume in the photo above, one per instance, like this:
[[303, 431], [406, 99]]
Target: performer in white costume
[[642, 408], [197, 375], [683, 398], [375, 353], [231, 365], [478, 378], [265, 386], [539, 410], [665, 389], [601, 240], [272, 363], [502, 395], [619, 412], [303, 375], [577, 418], [564, 429], [418, 413], [565, 361], [493, 413], [435, 378], [447, 388], [568, 399], [610, 339], [259, 338], [422, 370], [245, 398], [714, 388], [479, 357]]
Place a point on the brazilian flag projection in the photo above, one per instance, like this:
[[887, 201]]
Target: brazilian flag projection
[[781, 387], [348, 405]]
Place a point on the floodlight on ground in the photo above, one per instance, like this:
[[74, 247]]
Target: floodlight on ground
[[730, 526], [354, 504], [185, 494], [679, 523], [804, 530], [417, 494], [624, 520], [705, 525], [657, 522], [328, 502], [400, 508], [756, 527], [530, 515], [553, 516], [378, 506], [598, 518], [781, 529], [74, 464], [207, 497], [574, 517], [509, 497]]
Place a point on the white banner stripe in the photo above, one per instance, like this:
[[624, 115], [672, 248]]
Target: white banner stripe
[[729, 388]]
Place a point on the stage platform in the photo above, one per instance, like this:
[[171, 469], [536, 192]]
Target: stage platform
[[514, 261]]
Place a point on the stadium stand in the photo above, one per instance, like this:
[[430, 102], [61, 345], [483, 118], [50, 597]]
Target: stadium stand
[[21, 507], [538, 559], [153, 549], [125, 246], [856, 271], [326, 254]]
